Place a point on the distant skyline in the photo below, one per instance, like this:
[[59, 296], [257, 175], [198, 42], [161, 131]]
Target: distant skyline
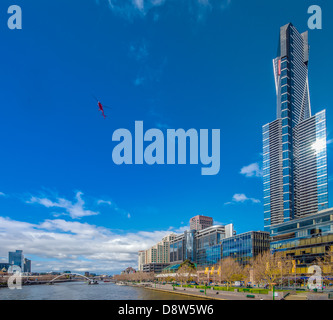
[[172, 64]]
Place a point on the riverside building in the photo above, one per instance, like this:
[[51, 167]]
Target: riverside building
[[16, 259], [295, 160], [157, 257], [208, 246]]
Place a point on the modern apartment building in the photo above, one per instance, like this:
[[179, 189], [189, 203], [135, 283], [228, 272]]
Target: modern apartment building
[[157, 254], [141, 259], [295, 158]]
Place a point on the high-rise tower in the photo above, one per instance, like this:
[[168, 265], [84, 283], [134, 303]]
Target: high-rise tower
[[295, 158]]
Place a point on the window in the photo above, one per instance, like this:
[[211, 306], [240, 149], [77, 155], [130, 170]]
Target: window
[[323, 219], [284, 89], [284, 97], [284, 65], [285, 130], [286, 188], [285, 146], [286, 122], [286, 172], [284, 73], [306, 223], [285, 138]]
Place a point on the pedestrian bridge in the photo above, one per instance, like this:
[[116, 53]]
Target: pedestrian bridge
[[90, 280]]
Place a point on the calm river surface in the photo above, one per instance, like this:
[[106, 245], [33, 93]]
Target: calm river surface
[[83, 291]]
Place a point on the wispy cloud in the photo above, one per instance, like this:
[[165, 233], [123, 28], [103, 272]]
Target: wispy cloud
[[2, 194], [242, 198], [252, 170], [130, 9], [106, 202], [139, 50], [75, 209], [149, 68]]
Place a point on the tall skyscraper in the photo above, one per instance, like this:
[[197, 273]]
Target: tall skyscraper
[[295, 158]]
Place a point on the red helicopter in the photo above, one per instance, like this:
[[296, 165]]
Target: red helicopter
[[101, 107]]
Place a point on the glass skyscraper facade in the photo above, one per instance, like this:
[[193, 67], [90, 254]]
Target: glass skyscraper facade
[[294, 145], [16, 258], [208, 247], [246, 246]]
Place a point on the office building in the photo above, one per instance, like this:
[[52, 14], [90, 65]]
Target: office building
[[206, 247], [16, 258], [27, 265], [200, 222], [183, 247], [195, 245], [295, 158], [208, 244], [216, 243], [246, 246], [305, 239]]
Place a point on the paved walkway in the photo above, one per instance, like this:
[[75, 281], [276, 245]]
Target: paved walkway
[[210, 294]]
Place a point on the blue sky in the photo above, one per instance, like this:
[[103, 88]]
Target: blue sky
[[200, 64]]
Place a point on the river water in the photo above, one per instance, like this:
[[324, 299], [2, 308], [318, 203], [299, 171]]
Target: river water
[[83, 291]]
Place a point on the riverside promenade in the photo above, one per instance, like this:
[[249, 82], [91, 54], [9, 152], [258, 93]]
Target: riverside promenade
[[208, 294]]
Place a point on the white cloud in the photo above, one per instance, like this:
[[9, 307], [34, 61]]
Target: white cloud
[[242, 198], [2, 194], [74, 209], [252, 170], [106, 202], [58, 245]]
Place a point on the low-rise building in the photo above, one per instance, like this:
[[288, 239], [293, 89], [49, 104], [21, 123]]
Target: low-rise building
[[246, 246], [304, 239], [154, 267]]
